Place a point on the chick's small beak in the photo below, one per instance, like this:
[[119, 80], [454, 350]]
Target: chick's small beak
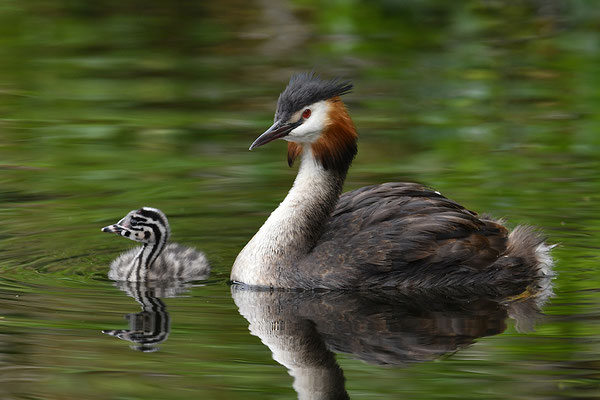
[[113, 229], [276, 131]]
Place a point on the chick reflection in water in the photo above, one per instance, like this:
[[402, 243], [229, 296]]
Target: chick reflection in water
[[154, 270], [152, 325], [303, 330]]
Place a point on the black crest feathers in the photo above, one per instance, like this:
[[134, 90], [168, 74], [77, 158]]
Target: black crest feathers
[[307, 88]]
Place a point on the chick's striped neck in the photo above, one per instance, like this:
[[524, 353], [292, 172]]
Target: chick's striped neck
[[143, 261]]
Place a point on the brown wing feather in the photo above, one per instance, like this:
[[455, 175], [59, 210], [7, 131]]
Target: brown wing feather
[[402, 234]]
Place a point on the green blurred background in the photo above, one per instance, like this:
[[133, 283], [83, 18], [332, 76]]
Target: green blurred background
[[109, 105]]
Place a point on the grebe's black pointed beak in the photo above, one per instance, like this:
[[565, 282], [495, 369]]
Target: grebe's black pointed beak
[[276, 131]]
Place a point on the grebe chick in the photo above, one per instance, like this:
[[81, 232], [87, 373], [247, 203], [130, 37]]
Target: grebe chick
[[399, 235], [155, 260]]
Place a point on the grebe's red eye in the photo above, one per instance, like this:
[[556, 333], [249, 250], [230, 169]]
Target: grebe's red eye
[[306, 113]]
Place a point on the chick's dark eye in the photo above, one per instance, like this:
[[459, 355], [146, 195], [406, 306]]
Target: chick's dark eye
[[306, 113], [134, 221]]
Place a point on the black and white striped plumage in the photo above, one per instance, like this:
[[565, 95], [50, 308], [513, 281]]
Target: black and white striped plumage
[[155, 260]]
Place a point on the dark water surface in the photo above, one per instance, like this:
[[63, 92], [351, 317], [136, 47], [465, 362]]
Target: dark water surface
[[106, 106]]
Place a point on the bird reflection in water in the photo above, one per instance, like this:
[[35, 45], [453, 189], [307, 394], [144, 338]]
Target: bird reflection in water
[[152, 325], [304, 329]]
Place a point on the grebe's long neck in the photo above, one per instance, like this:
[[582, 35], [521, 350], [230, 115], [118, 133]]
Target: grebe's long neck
[[293, 228], [143, 261]]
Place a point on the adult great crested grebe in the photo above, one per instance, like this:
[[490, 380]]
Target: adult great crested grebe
[[397, 235], [155, 260]]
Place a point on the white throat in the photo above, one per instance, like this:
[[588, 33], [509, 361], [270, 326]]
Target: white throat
[[292, 229]]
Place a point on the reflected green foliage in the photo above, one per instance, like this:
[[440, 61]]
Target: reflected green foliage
[[106, 106]]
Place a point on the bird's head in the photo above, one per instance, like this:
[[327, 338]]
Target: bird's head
[[311, 113], [146, 225]]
